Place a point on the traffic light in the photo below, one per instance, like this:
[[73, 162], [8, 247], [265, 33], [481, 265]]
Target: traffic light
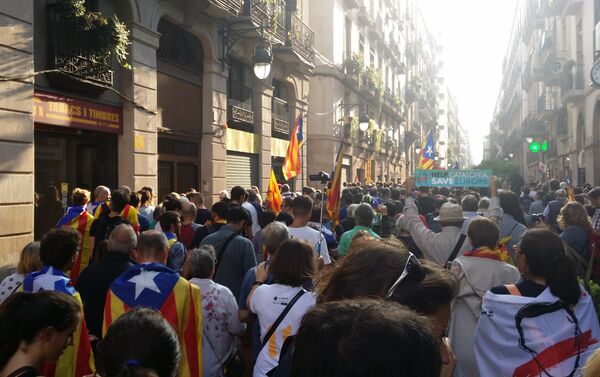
[[545, 146], [534, 147]]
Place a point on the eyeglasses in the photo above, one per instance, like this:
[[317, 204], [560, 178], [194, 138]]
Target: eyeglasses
[[409, 267]]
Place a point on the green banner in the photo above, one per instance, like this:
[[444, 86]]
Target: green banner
[[453, 178]]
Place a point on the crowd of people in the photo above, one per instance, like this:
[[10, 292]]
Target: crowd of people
[[404, 281]]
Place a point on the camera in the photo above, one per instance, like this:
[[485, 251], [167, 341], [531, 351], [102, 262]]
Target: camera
[[319, 177]]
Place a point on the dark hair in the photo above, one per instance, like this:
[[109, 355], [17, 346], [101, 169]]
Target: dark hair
[[438, 201], [554, 184], [285, 218], [238, 193], [358, 198], [58, 247], [145, 196], [167, 219], [511, 205], [364, 338], [302, 205], [363, 214], [80, 197], [469, 203], [135, 199], [594, 193], [287, 201], [149, 189], [24, 315], [220, 209], [200, 262], [152, 243], [267, 218], [238, 214], [172, 204], [158, 210], [545, 255], [138, 342], [293, 263], [483, 232], [118, 200]]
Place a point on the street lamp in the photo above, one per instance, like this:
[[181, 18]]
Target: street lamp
[[528, 140], [262, 60], [363, 121], [511, 155]]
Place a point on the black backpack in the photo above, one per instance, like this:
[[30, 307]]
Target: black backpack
[[259, 211]]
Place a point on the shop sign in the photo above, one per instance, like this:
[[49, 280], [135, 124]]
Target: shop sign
[[453, 178], [58, 110]]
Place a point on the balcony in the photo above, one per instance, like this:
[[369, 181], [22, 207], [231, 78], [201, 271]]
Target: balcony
[[223, 8], [70, 54], [270, 13], [573, 85], [300, 42], [280, 125], [548, 103], [239, 109], [553, 63]]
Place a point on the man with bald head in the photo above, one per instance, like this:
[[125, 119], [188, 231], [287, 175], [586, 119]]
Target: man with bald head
[[94, 281]]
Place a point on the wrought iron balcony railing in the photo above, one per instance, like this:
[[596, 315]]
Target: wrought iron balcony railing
[[280, 117], [270, 13], [69, 52], [301, 38], [240, 103]]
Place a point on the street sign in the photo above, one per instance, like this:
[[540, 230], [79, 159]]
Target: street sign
[[453, 178]]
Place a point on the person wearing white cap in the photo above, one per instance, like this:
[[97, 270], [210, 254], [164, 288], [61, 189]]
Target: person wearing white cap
[[445, 246]]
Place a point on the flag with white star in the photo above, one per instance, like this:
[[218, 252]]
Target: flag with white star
[[48, 279], [427, 155], [153, 285]]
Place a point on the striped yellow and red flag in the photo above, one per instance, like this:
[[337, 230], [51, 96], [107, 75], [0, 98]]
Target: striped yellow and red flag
[[81, 220], [131, 214], [427, 154], [292, 165], [77, 359], [274, 199], [334, 194], [153, 285]]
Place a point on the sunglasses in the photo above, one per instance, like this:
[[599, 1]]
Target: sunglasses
[[411, 265]]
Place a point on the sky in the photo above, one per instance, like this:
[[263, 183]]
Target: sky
[[474, 35]]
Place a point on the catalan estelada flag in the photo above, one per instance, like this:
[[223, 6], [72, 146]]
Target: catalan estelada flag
[[81, 220], [131, 214], [273, 194], [77, 359], [292, 166], [427, 155], [334, 194], [155, 286]]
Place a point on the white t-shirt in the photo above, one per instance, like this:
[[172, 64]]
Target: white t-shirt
[[268, 301], [253, 216], [312, 236]]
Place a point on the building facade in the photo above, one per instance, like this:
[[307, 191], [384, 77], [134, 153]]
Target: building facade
[[374, 88], [547, 99], [187, 111]]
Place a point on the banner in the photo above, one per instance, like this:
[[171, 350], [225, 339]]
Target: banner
[[453, 178]]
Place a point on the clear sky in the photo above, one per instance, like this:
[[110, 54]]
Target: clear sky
[[474, 35]]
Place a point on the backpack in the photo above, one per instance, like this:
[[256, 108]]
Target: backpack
[[260, 212]]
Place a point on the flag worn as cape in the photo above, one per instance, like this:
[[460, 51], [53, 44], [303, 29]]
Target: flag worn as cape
[[550, 335], [155, 286], [77, 359], [131, 214], [427, 155], [81, 220], [334, 194], [273, 194], [292, 165]]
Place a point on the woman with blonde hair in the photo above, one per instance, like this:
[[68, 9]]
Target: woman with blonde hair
[[29, 261], [576, 233]]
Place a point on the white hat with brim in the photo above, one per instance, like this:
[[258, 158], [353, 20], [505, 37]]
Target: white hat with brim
[[450, 212]]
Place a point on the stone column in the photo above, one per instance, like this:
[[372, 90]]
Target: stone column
[[138, 144], [213, 164], [16, 132], [263, 123]]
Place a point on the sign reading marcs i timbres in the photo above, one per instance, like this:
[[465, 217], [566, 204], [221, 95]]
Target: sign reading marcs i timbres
[[64, 111]]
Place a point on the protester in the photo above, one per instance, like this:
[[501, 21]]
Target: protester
[[438, 202], [239, 197], [94, 281], [274, 235], [478, 270], [594, 196], [58, 252], [349, 223], [234, 253], [35, 329], [552, 209], [540, 313], [267, 218], [357, 338], [141, 343], [363, 216], [292, 267], [170, 223], [219, 218], [470, 205], [146, 208], [286, 204], [188, 225], [577, 234], [203, 214], [105, 223], [403, 234], [220, 323], [302, 209], [100, 203], [153, 285], [444, 246], [29, 261], [513, 223], [135, 200]]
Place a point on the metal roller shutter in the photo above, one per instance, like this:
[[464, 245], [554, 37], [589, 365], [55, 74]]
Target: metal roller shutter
[[242, 170]]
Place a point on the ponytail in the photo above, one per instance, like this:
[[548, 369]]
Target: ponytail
[[546, 258], [24, 315]]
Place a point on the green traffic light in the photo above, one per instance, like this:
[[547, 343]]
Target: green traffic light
[[534, 147], [545, 146]]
